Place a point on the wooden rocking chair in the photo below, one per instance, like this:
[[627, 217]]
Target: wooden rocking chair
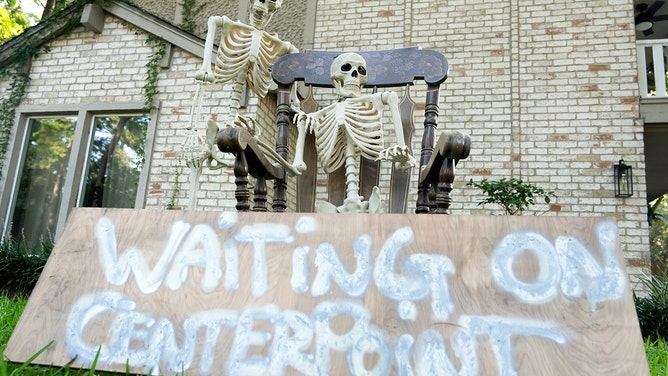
[[392, 68]]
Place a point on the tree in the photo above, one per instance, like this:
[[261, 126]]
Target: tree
[[12, 20], [52, 5], [658, 235]]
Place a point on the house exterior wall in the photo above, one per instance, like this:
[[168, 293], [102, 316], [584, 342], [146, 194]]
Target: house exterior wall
[[546, 89]]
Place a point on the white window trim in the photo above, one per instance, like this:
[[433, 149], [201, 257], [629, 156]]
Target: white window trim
[[16, 150]]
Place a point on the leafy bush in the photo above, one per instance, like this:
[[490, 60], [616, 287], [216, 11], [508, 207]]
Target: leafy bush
[[21, 265], [652, 308], [513, 195]]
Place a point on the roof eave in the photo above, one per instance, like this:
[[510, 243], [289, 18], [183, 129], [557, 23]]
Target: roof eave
[[37, 36]]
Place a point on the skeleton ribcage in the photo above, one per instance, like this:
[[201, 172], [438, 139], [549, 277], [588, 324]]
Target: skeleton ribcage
[[249, 52], [352, 122]]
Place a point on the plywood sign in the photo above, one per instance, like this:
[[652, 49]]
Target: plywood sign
[[270, 294]]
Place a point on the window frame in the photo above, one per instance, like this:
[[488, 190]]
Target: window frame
[[17, 148]]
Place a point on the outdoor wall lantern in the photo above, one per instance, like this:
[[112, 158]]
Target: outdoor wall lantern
[[623, 180]]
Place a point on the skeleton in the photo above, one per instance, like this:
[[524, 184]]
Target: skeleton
[[349, 128], [244, 57]]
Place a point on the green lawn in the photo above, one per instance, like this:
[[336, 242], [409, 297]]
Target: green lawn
[[657, 357]]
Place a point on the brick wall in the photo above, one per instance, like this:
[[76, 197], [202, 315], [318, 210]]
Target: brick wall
[[84, 67], [545, 89]]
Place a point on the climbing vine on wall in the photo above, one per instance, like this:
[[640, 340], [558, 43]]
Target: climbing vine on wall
[[19, 81], [188, 13], [152, 70], [15, 72]]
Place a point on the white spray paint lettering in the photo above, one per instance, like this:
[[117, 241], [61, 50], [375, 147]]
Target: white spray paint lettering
[[259, 235], [566, 266], [330, 267], [140, 339], [117, 268], [150, 342], [583, 275], [425, 274]]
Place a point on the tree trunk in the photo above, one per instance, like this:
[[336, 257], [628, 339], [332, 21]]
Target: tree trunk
[[48, 8], [98, 190]]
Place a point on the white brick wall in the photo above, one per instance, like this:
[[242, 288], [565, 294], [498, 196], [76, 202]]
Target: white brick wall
[[546, 89]]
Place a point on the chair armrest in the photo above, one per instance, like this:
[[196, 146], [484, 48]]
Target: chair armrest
[[235, 140], [451, 145]]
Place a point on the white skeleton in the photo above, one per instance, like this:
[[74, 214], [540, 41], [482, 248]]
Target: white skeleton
[[349, 128], [245, 56]]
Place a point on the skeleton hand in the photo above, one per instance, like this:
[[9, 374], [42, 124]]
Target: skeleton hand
[[246, 122], [305, 120], [194, 149], [299, 165], [399, 154]]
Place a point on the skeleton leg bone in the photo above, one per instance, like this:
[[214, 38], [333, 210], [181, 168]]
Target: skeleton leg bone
[[353, 202], [195, 173]]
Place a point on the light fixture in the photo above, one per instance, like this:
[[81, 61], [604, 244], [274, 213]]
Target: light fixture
[[623, 179], [643, 22]]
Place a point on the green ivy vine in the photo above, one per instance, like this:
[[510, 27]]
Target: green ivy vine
[[171, 204], [19, 80], [152, 70], [188, 13]]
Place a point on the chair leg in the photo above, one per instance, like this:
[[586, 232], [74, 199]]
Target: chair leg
[[241, 193], [260, 195], [446, 178]]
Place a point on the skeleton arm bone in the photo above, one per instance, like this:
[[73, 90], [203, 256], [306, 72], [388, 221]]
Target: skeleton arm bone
[[399, 153], [205, 72], [305, 123]]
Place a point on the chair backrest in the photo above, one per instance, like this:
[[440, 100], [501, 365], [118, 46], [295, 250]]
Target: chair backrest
[[390, 68]]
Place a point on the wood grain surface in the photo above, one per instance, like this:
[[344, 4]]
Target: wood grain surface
[[514, 303]]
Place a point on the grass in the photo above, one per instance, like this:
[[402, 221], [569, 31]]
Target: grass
[[657, 356], [10, 311]]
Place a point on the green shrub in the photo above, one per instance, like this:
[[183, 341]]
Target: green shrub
[[21, 265], [513, 195], [652, 308]]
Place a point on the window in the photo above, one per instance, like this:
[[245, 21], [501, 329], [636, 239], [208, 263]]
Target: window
[[58, 162], [42, 178], [115, 161]]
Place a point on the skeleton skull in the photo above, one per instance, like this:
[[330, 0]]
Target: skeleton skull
[[262, 11], [348, 74]]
